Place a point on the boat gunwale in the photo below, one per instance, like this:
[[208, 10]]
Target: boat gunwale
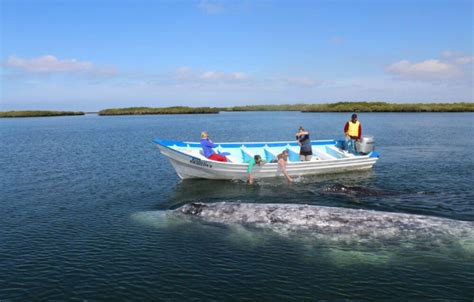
[[167, 143]]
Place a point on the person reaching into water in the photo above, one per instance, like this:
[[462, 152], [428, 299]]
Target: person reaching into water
[[207, 145], [352, 132], [257, 160], [306, 150], [282, 158]]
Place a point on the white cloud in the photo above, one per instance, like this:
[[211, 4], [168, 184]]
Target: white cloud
[[239, 76], [222, 76], [464, 60], [188, 75], [303, 81], [451, 66], [82, 95], [457, 57], [212, 75], [50, 64], [183, 73], [431, 69]]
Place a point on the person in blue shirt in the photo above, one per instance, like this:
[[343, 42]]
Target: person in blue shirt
[[207, 145], [306, 150]]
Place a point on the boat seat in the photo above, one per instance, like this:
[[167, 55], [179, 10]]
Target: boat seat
[[269, 154], [337, 153], [294, 154], [230, 158], [322, 155], [202, 154], [246, 154]]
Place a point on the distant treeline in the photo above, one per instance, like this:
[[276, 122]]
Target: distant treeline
[[334, 107], [167, 110], [362, 107], [38, 113], [286, 107]]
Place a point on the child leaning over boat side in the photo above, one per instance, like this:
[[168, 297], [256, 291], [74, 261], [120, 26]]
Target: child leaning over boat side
[[207, 146], [257, 160], [281, 159]]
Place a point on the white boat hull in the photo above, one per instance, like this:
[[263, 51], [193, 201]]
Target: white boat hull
[[188, 166]]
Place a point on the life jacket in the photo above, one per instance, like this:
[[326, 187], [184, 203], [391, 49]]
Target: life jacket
[[353, 129]]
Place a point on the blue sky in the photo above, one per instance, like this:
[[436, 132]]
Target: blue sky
[[89, 55]]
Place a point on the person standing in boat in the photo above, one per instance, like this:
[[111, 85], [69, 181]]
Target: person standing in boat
[[306, 150], [353, 133], [207, 146], [257, 160]]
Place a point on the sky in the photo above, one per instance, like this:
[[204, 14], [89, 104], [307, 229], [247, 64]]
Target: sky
[[90, 55]]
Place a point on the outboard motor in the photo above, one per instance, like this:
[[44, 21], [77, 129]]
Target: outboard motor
[[365, 145]]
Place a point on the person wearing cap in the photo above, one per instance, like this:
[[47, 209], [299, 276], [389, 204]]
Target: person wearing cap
[[256, 160], [353, 133], [306, 150], [207, 146]]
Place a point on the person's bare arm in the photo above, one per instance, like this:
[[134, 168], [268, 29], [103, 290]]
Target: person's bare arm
[[282, 164]]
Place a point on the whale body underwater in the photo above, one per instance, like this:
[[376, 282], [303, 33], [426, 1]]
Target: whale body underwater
[[355, 191], [323, 221]]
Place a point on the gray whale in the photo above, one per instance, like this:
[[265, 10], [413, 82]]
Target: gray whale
[[354, 191], [321, 220]]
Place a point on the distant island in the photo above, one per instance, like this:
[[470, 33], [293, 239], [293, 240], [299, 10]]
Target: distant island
[[38, 113], [330, 107], [362, 107], [165, 110], [333, 107]]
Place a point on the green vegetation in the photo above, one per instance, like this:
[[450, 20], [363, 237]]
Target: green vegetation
[[167, 110], [38, 113], [362, 107], [334, 107], [285, 107], [389, 107]]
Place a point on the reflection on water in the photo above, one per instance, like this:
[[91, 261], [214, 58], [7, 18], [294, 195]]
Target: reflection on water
[[307, 188]]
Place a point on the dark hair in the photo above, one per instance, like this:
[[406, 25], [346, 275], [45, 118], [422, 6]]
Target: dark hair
[[257, 157], [354, 115]]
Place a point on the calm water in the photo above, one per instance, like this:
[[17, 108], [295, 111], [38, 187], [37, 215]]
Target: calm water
[[80, 199]]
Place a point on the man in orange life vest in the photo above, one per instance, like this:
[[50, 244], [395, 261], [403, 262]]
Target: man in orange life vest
[[353, 132]]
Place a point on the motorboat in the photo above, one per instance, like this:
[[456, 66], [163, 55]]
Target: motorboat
[[188, 159]]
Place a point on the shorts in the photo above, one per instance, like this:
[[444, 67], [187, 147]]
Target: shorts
[[306, 153]]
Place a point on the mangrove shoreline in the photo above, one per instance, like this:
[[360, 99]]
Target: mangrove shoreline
[[330, 107], [362, 107], [38, 113], [165, 110]]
